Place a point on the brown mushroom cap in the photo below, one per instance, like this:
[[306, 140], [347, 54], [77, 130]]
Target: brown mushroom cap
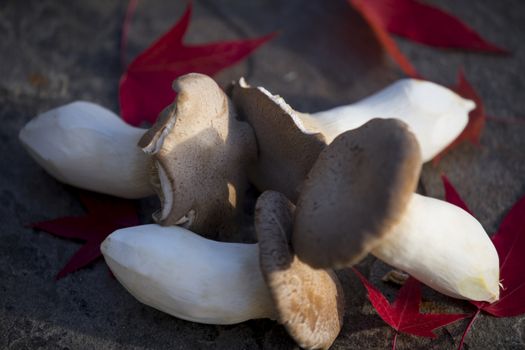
[[356, 191], [200, 152], [309, 303], [286, 149]]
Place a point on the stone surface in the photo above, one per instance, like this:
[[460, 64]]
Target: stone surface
[[54, 52]]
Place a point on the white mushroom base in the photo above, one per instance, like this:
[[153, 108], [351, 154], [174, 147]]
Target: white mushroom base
[[444, 247], [88, 146], [435, 114], [188, 276]]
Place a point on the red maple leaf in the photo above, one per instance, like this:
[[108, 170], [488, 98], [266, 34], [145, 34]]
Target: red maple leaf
[[421, 23], [105, 214], [145, 87], [403, 315], [476, 118], [452, 196], [509, 241], [376, 23]]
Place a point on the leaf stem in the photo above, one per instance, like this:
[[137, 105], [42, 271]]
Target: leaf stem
[[394, 340], [468, 328]]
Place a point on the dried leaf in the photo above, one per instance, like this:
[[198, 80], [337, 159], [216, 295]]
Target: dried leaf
[[145, 88], [476, 118], [376, 23], [509, 241], [421, 23], [510, 244], [403, 315], [452, 196], [105, 214], [426, 24]]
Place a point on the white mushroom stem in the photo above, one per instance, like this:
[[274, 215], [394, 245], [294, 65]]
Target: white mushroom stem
[[444, 247], [87, 146], [435, 114], [188, 276]]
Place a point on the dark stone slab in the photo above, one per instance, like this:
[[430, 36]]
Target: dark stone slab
[[54, 52]]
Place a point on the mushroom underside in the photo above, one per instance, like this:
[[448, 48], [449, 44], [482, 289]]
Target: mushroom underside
[[309, 302], [200, 152]]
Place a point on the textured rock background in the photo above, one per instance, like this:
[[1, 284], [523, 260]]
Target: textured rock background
[[54, 52]]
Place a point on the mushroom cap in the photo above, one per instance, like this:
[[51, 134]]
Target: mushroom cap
[[357, 190], [309, 303], [286, 149], [200, 151]]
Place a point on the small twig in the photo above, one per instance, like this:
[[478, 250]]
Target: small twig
[[468, 328], [132, 6]]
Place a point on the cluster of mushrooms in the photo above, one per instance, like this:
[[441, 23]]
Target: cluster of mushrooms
[[336, 186]]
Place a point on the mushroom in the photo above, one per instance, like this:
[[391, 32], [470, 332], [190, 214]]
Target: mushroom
[[193, 157], [310, 302], [87, 146], [200, 280], [436, 115], [358, 198], [444, 247], [357, 189], [289, 141], [286, 149], [199, 151]]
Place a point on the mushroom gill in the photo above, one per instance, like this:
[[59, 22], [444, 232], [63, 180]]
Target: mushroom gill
[[200, 151]]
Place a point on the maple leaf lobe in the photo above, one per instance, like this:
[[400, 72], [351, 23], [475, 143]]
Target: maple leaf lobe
[[145, 87], [509, 241], [403, 315], [104, 215], [476, 117]]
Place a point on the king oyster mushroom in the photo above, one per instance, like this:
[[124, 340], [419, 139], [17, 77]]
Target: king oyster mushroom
[[357, 189], [85, 145], [289, 141], [88, 146], [359, 198], [200, 280], [317, 294], [199, 150], [194, 156]]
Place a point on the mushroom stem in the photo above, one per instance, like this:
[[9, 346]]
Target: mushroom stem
[[188, 276], [435, 114], [87, 146], [444, 247]]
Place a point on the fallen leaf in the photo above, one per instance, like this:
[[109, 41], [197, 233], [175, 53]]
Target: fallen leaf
[[421, 23], [476, 118], [145, 87], [509, 241], [510, 244], [105, 214], [376, 24], [403, 315], [452, 196]]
